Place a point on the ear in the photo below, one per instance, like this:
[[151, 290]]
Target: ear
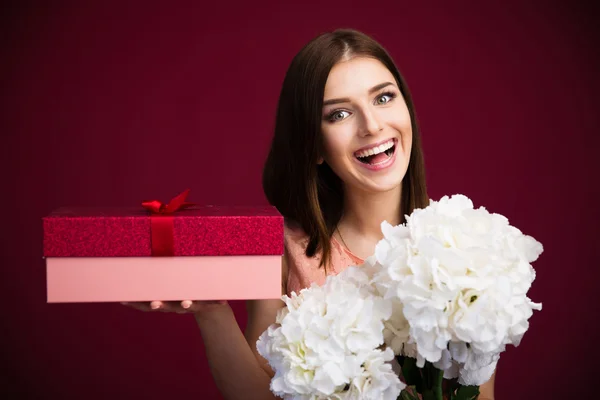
[[320, 160]]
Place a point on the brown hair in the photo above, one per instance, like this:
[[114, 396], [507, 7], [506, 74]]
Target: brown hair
[[302, 190]]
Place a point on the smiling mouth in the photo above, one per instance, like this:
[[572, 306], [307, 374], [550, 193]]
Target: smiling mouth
[[377, 155]]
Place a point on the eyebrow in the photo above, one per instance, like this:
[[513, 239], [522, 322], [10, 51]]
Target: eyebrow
[[347, 100]]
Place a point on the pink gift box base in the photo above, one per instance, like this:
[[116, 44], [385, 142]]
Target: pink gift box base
[[128, 279]]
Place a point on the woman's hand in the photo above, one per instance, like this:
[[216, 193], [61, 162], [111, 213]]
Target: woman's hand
[[180, 307]]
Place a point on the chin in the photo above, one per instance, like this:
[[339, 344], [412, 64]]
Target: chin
[[384, 187], [385, 182], [380, 185]]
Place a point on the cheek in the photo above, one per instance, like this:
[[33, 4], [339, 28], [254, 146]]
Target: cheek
[[399, 115], [400, 121], [334, 145], [407, 145], [407, 137]]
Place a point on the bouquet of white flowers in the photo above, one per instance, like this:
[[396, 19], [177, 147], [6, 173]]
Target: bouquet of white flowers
[[442, 295]]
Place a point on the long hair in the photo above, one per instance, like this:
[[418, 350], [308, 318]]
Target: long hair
[[302, 190]]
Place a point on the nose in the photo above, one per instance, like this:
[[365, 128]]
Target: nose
[[371, 125]]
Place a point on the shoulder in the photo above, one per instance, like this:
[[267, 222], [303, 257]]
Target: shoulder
[[292, 229], [295, 238], [294, 259]]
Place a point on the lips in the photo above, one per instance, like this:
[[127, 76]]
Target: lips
[[377, 153], [373, 147]]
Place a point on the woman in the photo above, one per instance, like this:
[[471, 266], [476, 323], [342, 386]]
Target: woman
[[345, 156]]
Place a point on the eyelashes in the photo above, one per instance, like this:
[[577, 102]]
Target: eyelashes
[[392, 96], [331, 116]]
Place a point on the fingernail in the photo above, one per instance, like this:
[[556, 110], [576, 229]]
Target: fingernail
[[186, 304], [155, 305]]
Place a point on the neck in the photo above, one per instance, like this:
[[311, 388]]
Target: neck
[[364, 212]]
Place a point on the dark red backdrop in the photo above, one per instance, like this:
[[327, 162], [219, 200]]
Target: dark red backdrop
[[111, 104]]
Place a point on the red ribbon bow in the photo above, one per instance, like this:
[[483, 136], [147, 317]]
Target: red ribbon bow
[[161, 222]]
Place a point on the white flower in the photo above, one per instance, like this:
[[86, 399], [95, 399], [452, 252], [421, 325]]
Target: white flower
[[378, 380], [325, 341], [394, 253], [449, 287], [396, 333], [456, 274]]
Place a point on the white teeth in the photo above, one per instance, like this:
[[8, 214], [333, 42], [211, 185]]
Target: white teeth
[[376, 150]]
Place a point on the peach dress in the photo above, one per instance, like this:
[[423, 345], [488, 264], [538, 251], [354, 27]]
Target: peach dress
[[303, 270]]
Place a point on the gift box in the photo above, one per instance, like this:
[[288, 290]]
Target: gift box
[[172, 252]]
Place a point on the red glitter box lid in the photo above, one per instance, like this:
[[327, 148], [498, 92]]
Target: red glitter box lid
[[197, 231]]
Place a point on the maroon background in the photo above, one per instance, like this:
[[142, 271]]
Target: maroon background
[[108, 105]]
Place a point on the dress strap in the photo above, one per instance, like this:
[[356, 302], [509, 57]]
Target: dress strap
[[353, 256]]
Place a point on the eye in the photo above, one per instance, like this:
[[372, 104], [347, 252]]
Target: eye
[[337, 115], [386, 97]]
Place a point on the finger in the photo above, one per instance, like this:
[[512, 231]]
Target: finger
[[181, 307], [192, 307], [141, 306], [157, 305], [172, 306], [186, 304], [176, 306], [200, 306], [216, 302]]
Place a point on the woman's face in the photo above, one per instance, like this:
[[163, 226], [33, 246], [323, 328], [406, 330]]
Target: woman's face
[[366, 126]]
